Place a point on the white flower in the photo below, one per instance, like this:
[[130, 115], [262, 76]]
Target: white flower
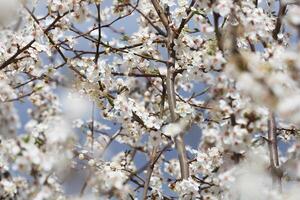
[[170, 3], [6, 93], [91, 162], [182, 3], [174, 129], [288, 108], [293, 16], [207, 161], [223, 7], [244, 180], [210, 135], [71, 102], [9, 187], [8, 11], [152, 122], [173, 168], [187, 189], [155, 138], [58, 130], [81, 156], [184, 109], [236, 139]]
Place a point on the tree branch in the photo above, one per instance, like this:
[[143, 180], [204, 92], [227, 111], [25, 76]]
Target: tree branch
[[179, 141], [99, 34], [149, 173], [273, 149]]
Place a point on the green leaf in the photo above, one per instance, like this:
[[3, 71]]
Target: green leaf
[[26, 138], [110, 100], [153, 71]]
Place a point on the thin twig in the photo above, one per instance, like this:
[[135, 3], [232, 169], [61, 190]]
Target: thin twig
[[281, 12], [99, 34], [149, 173]]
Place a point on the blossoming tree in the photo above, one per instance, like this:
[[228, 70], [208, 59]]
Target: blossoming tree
[[145, 72]]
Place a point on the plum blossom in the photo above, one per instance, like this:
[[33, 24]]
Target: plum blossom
[[149, 99], [187, 189], [175, 129]]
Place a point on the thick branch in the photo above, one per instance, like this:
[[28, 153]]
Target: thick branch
[[273, 149], [179, 142], [161, 14], [217, 30]]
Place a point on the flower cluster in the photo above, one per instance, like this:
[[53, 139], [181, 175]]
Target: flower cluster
[[98, 96]]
